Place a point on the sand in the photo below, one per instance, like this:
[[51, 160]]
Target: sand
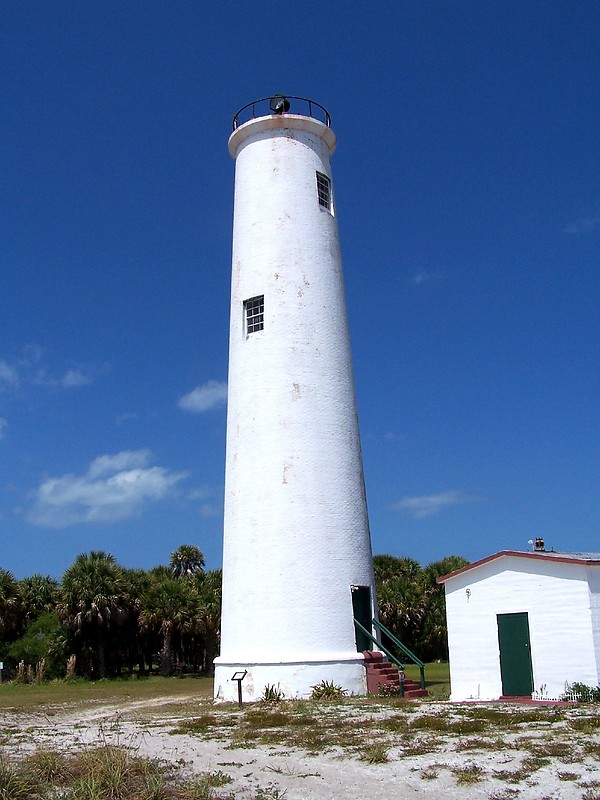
[[538, 760]]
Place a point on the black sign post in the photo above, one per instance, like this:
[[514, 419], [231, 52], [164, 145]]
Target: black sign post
[[239, 677]]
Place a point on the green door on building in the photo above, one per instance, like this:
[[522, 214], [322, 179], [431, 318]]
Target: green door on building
[[361, 608], [515, 654]]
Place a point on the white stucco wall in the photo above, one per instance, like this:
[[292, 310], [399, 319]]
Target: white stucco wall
[[556, 597], [594, 589], [296, 527]]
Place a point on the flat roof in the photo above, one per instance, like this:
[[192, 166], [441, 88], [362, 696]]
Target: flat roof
[[592, 559]]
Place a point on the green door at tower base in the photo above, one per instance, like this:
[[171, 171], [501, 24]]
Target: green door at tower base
[[361, 608], [515, 654]]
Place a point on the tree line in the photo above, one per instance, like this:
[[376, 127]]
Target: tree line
[[103, 620], [412, 605]]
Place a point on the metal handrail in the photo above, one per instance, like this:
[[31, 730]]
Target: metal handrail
[[323, 116], [421, 665], [383, 649]]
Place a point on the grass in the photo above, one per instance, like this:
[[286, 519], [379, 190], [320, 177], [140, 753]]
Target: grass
[[26, 697], [479, 743], [437, 678], [430, 773], [376, 754], [81, 692], [441, 722], [106, 772], [15, 782], [471, 773], [564, 775], [511, 718]]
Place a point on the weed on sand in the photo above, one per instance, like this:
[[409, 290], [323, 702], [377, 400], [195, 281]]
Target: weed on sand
[[101, 772], [377, 754], [16, 783], [470, 773]]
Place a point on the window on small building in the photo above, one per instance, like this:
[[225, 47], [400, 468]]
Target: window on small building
[[324, 191], [254, 313]]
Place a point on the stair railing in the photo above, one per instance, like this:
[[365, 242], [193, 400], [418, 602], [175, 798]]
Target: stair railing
[[409, 654], [383, 649]]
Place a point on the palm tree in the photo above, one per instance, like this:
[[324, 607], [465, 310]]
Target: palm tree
[[133, 643], [40, 594], [412, 604], [445, 565], [93, 600], [169, 608], [186, 560], [433, 642], [209, 615], [401, 597], [402, 607], [387, 567], [11, 604]]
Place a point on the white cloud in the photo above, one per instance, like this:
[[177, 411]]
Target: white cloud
[[429, 504], [3, 426], [126, 416], [126, 459], [200, 493], [583, 225], [9, 378], [25, 369], [392, 436], [72, 378], [115, 487], [30, 355], [210, 395], [208, 511], [422, 276]]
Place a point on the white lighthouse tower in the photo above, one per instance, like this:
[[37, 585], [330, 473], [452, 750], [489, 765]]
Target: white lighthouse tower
[[297, 561]]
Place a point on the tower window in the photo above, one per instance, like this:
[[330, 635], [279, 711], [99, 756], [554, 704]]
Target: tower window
[[324, 191], [254, 312]]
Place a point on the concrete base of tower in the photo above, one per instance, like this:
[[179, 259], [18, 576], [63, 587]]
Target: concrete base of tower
[[294, 679]]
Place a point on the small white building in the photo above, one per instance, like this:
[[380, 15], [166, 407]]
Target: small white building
[[523, 623]]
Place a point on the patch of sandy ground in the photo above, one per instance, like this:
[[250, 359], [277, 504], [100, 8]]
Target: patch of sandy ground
[[274, 771]]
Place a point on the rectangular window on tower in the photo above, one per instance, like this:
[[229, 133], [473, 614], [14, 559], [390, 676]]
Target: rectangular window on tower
[[324, 192], [254, 314]]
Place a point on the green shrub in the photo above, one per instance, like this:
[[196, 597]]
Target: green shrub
[[327, 690], [272, 694], [582, 693]]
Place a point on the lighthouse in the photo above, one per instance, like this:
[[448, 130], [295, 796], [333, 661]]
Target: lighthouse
[[297, 560]]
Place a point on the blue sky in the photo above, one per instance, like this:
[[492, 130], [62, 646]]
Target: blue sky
[[468, 197]]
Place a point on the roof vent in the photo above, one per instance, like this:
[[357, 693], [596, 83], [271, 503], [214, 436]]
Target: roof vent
[[539, 545]]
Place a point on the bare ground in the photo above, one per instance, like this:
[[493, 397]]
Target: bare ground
[[304, 751]]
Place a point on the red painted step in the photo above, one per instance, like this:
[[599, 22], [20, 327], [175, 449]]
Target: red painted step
[[382, 674]]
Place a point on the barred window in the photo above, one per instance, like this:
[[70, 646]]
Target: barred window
[[254, 313], [324, 191]]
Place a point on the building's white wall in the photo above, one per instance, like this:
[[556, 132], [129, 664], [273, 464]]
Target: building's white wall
[[296, 527], [555, 596], [594, 589], [294, 679]]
